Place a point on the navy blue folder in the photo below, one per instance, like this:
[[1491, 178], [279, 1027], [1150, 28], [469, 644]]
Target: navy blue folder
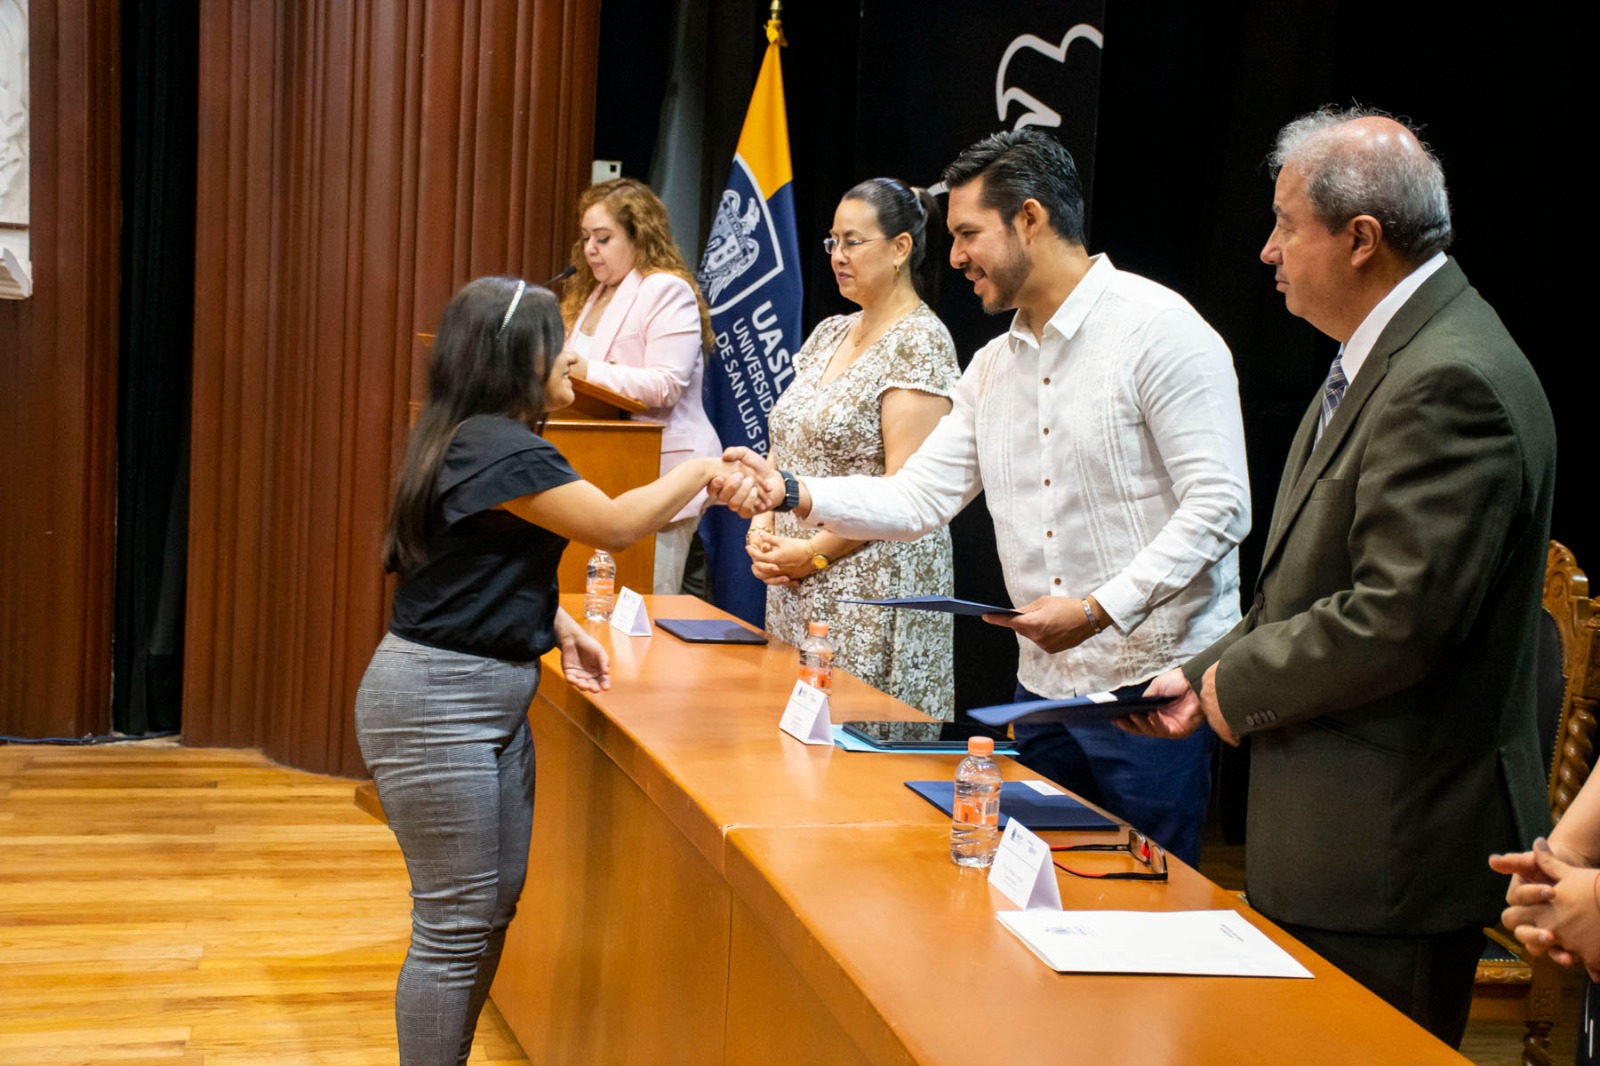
[[1036, 810], [1076, 709], [710, 631], [942, 604]]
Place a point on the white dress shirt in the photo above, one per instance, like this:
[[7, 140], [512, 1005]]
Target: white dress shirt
[[1359, 346], [1112, 451]]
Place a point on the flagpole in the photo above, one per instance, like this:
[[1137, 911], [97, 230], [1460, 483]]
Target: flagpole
[[750, 277]]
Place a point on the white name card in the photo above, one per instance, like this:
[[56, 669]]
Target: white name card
[[629, 614], [1023, 870], [806, 716]]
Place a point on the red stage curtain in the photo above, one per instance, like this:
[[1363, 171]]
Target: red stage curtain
[[357, 163]]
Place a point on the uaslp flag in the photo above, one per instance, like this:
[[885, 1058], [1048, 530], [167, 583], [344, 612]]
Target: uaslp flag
[[750, 276]]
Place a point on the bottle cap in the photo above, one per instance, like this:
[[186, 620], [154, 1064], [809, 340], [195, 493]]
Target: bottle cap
[[980, 745], [817, 629]]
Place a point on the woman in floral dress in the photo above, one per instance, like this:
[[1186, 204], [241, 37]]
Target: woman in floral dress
[[868, 388]]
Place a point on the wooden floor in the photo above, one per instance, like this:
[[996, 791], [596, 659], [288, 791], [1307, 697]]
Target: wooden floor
[[161, 904]]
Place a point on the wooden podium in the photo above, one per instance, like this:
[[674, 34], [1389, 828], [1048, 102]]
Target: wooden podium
[[596, 434]]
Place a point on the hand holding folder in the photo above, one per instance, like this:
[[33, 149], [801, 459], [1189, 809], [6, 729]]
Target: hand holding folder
[[943, 604], [1093, 707]]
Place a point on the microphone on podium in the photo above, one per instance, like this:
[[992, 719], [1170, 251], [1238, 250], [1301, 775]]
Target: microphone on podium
[[563, 276]]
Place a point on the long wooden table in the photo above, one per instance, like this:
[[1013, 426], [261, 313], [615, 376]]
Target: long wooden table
[[706, 889]]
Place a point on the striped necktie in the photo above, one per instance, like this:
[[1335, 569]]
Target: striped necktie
[[1332, 393]]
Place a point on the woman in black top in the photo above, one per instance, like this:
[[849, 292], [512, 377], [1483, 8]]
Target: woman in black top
[[483, 508]]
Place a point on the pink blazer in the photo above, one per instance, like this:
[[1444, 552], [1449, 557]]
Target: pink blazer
[[647, 347]]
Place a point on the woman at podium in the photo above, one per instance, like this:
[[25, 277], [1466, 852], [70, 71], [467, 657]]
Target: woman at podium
[[638, 326], [868, 388]]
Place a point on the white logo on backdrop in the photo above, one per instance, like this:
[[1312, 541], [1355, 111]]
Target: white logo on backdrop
[[732, 248], [1036, 112]]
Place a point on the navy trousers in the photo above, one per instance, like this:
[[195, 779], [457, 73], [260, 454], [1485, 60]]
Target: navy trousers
[[1160, 787]]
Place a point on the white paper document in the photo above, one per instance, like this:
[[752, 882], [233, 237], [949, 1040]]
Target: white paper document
[[1216, 943]]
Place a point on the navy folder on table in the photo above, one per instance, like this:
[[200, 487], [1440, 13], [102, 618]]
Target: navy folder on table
[[710, 631], [1037, 810]]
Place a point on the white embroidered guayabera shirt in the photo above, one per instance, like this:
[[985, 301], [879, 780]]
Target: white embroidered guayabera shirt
[[1112, 453]]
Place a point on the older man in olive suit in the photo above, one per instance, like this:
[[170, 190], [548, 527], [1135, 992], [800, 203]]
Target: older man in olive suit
[[1384, 672]]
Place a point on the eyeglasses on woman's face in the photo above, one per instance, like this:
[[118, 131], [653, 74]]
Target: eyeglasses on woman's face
[[848, 245]]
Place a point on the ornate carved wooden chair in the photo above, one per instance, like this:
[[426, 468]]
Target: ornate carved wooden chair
[[1510, 985]]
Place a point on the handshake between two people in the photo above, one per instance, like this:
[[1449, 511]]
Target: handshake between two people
[[753, 487]]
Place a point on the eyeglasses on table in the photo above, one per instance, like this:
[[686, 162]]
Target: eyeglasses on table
[[1144, 850]]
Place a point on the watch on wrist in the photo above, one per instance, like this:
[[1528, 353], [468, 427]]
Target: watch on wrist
[[791, 492], [819, 561]]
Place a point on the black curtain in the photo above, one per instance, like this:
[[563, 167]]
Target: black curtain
[[160, 50], [1190, 98]]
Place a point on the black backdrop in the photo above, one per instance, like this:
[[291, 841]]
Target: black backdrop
[[1190, 96]]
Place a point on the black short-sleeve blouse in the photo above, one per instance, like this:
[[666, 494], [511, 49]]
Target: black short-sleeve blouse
[[489, 585]]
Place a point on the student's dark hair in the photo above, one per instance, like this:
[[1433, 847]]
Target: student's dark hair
[[903, 209], [1019, 165], [491, 356]]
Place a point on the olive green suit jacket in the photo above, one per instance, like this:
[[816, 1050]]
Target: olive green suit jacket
[[1385, 671]]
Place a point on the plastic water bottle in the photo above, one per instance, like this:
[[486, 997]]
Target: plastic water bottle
[[975, 814], [816, 657], [599, 591]]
